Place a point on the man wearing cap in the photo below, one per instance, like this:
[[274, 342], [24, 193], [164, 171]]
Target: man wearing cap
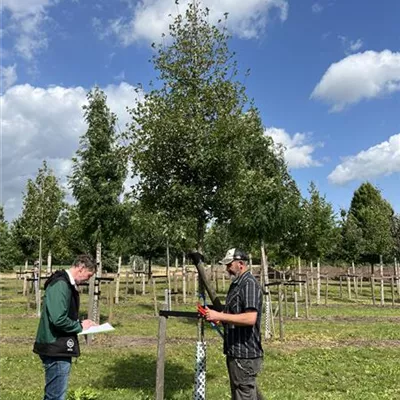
[[242, 320]]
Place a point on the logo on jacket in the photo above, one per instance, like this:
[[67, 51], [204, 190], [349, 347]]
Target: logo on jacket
[[70, 344]]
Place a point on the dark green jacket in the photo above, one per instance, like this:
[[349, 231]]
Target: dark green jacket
[[59, 323]]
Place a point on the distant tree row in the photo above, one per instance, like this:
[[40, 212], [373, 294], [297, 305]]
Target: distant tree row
[[208, 178]]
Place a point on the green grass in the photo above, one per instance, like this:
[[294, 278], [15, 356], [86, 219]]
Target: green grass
[[347, 350]]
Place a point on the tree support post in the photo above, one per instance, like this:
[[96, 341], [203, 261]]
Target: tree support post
[[373, 290], [162, 332], [281, 327], [318, 281]]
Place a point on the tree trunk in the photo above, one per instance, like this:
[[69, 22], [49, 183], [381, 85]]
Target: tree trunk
[[38, 294], [149, 269]]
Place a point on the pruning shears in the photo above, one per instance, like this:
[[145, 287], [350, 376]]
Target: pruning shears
[[202, 311]]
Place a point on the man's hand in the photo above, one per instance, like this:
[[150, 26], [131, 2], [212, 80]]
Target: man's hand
[[87, 323], [212, 315]]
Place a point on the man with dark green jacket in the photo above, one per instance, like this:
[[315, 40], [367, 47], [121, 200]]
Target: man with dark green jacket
[[56, 339]]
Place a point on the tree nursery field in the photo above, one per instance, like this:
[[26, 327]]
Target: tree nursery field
[[346, 349]]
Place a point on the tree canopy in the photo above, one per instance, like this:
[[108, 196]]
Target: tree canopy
[[42, 204], [197, 143], [98, 173], [373, 217]]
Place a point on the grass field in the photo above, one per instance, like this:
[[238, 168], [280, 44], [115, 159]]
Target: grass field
[[345, 350]]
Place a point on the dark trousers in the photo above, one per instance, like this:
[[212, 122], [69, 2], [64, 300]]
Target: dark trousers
[[57, 371], [242, 377]]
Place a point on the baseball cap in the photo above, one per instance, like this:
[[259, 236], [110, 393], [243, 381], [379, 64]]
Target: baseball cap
[[234, 254]]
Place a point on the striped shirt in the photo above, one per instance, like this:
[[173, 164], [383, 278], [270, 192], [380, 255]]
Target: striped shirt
[[243, 341]]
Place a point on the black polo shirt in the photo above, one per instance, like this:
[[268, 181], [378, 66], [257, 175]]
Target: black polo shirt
[[243, 341]]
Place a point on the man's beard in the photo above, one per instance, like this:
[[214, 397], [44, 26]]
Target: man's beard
[[234, 275]]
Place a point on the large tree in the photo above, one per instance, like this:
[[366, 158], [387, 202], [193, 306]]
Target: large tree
[[98, 174], [194, 134], [373, 216]]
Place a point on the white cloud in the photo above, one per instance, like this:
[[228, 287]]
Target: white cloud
[[26, 25], [297, 153], [8, 76], [382, 159], [316, 8], [120, 76], [46, 123], [150, 18], [25, 7], [359, 76], [350, 46], [355, 46]]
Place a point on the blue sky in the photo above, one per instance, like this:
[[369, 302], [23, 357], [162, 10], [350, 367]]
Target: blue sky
[[325, 76]]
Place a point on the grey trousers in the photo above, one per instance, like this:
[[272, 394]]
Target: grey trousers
[[242, 377]]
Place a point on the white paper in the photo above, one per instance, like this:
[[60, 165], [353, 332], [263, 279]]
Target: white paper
[[97, 329]]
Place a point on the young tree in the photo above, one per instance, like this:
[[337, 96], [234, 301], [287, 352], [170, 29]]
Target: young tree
[[319, 225], [98, 173], [352, 239], [43, 202], [7, 248], [374, 217], [25, 243], [147, 238], [396, 236]]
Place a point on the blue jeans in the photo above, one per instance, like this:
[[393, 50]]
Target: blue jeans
[[56, 371]]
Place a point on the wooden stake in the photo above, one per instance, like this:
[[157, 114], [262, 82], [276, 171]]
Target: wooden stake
[[162, 333], [281, 327]]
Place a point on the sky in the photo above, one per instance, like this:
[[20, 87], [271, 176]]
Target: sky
[[325, 76]]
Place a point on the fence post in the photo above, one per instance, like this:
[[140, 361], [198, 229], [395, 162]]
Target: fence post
[[126, 284], [299, 270], [162, 330], [184, 279], [118, 279], [326, 290], [143, 283], [153, 281], [353, 267], [306, 297], [312, 275], [285, 300], [392, 289], [348, 286], [318, 281], [281, 328], [373, 289]]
